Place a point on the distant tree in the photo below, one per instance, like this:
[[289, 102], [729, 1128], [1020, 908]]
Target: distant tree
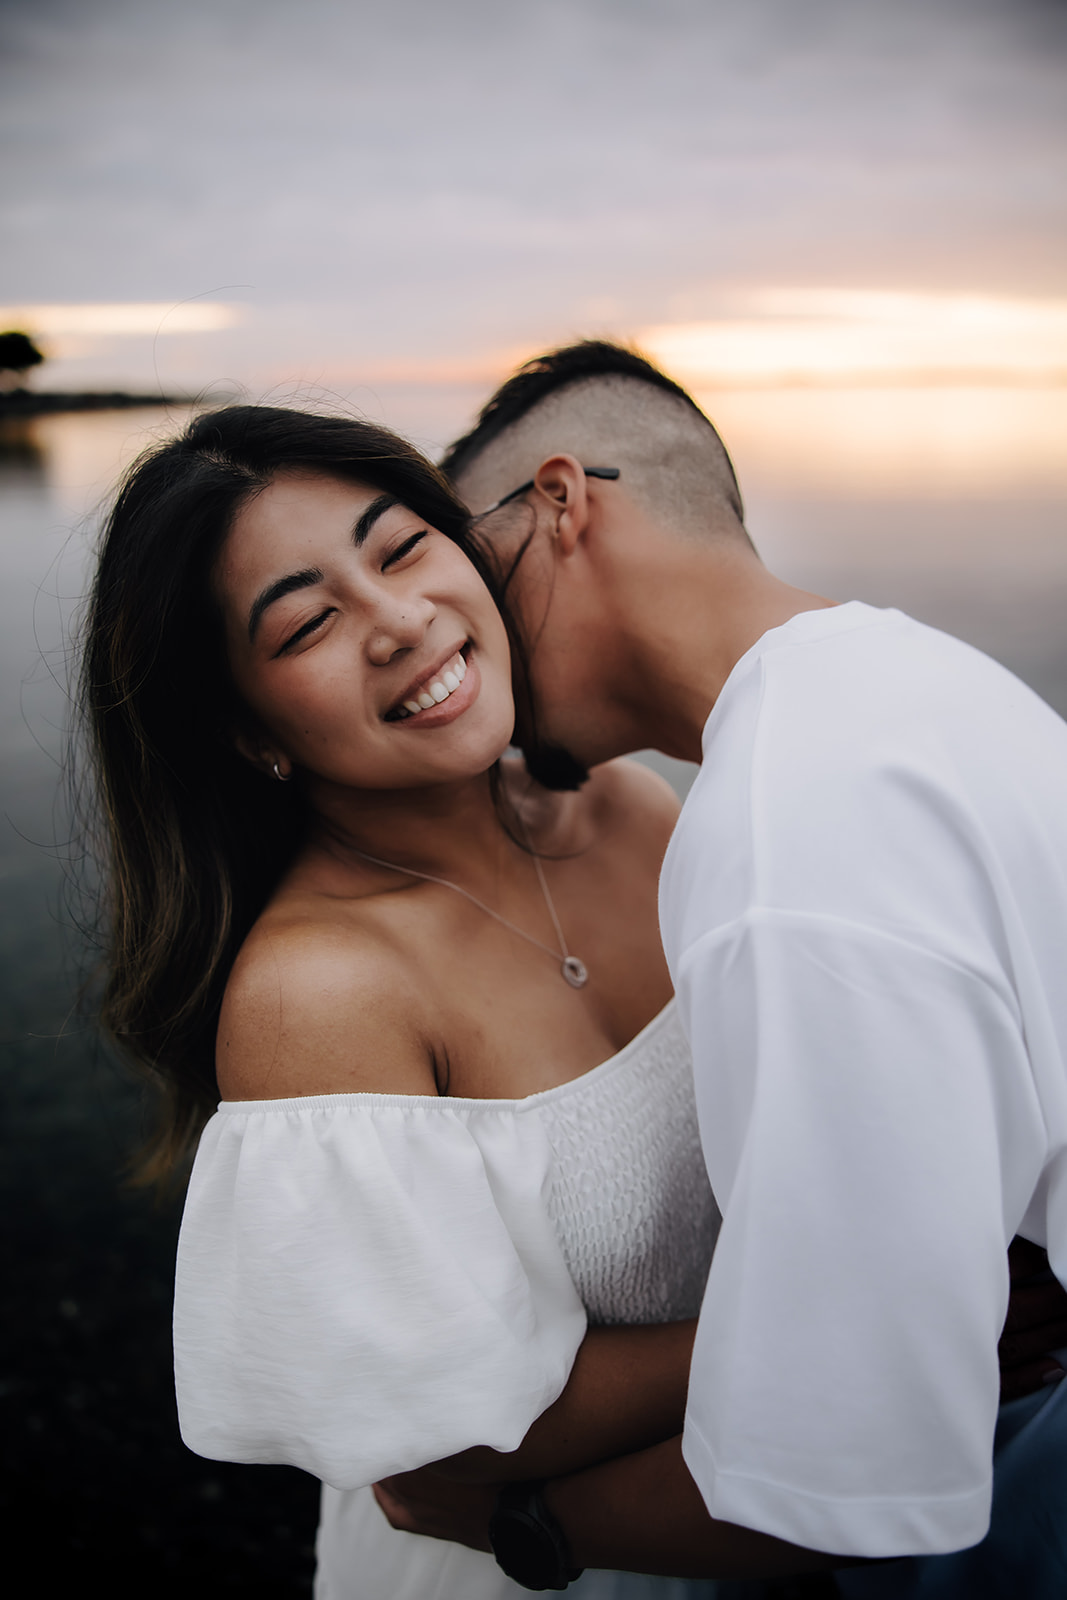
[[18, 354]]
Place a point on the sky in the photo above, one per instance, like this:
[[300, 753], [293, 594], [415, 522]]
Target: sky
[[390, 204]]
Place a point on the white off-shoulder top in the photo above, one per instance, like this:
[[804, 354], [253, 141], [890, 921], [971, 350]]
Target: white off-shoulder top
[[368, 1282]]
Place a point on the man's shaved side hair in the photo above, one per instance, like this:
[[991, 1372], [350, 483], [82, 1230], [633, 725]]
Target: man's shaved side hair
[[609, 407]]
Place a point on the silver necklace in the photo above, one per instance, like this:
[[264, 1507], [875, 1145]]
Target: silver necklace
[[574, 971]]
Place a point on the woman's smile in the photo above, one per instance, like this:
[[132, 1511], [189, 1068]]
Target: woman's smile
[[435, 690]]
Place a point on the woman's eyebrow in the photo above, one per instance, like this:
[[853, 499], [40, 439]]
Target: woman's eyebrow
[[277, 591], [376, 509]]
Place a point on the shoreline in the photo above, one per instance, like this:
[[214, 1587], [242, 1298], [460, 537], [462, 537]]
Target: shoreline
[[30, 403]]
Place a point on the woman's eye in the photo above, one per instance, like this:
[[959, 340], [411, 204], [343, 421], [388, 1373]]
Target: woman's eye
[[404, 549], [303, 632]]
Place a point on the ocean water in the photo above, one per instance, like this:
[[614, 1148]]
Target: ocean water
[[948, 504]]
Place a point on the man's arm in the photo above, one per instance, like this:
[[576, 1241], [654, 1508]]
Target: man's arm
[[644, 1513], [1036, 1324], [873, 1086], [626, 1391], [641, 1513]]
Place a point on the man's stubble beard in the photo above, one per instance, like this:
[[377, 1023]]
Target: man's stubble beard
[[552, 766], [549, 764]]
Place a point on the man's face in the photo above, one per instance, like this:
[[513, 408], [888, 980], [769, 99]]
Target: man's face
[[560, 620]]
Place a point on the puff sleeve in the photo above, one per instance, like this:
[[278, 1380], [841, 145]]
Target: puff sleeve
[[366, 1283]]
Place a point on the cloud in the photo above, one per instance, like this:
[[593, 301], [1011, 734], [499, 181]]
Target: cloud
[[425, 183]]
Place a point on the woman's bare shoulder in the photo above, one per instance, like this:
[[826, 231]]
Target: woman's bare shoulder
[[318, 1004], [628, 794]]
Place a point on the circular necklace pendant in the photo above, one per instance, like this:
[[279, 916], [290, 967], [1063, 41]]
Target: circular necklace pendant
[[574, 971]]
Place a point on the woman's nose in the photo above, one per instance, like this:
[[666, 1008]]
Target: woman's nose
[[397, 625]]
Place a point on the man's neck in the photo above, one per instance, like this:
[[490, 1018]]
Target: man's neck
[[705, 617]]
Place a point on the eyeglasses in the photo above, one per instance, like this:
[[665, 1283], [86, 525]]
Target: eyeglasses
[[590, 472]]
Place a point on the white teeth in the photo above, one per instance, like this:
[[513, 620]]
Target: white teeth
[[440, 689]]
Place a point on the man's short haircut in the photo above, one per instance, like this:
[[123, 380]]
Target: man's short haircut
[[596, 395]]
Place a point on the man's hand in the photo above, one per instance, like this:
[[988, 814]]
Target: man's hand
[[1036, 1323], [440, 1508]]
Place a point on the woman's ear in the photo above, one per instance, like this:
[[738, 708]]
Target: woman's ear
[[262, 755], [561, 479]]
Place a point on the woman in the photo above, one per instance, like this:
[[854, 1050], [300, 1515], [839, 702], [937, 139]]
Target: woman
[[457, 1120]]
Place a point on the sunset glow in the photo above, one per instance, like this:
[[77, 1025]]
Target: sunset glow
[[893, 442], [135, 317], [840, 336]]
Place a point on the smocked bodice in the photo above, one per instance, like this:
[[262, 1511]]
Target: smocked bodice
[[629, 1197]]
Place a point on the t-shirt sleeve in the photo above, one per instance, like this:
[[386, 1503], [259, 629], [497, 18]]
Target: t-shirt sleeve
[[859, 1098], [366, 1284]]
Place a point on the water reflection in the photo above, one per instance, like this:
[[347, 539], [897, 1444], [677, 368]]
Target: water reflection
[[22, 455], [940, 444]]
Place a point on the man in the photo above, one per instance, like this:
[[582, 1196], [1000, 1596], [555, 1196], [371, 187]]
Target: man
[[864, 908]]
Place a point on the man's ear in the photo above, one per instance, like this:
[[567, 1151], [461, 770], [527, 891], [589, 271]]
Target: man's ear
[[561, 479]]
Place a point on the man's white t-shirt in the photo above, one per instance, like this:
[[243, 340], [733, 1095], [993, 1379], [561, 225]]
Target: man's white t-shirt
[[864, 908]]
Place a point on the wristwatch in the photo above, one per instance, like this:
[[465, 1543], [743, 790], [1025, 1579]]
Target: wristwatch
[[527, 1540]]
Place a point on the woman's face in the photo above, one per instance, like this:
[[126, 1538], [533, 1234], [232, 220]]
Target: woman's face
[[363, 640]]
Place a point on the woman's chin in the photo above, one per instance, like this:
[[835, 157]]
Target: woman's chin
[[468, 752]]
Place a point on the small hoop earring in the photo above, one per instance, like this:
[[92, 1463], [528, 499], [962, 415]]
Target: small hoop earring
[[282, 777]]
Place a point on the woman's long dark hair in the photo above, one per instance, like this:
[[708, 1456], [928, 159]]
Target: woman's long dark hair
[[193, 840]]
